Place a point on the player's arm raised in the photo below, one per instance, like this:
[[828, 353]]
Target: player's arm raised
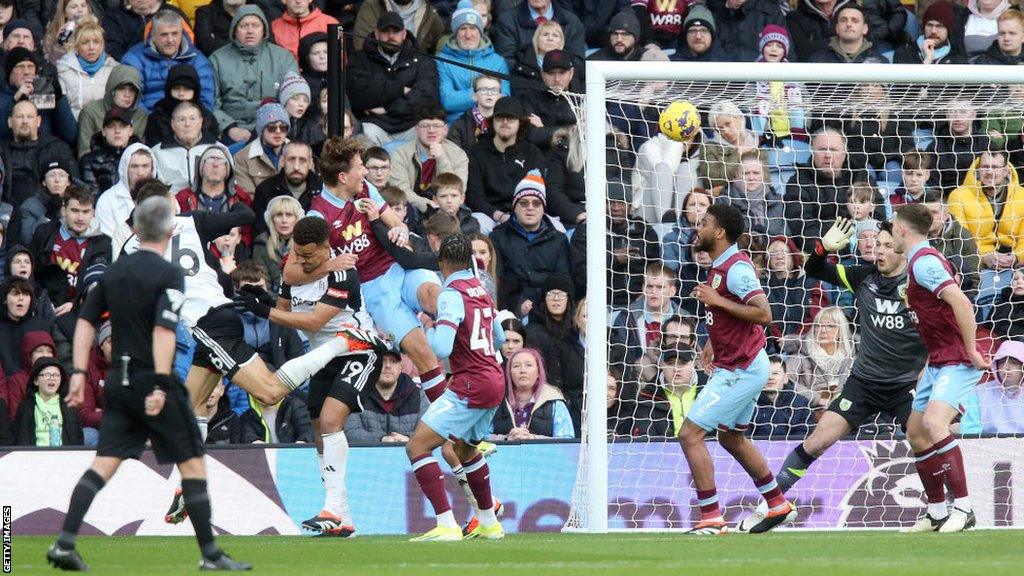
[[963, 311]]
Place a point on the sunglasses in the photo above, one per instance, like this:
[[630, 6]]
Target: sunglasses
[[277, 127]]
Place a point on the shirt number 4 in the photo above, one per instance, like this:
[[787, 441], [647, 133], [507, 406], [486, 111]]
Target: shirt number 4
[[481, 339]]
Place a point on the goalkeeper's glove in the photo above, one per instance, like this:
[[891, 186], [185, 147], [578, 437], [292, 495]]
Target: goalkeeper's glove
[[838, 236], [256, 300]]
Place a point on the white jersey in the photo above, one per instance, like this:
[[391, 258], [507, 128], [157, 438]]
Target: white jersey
[[202, 290], [337, 289]]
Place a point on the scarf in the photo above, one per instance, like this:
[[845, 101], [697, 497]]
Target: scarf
[[940, 52], [428, 168], [483, 125], [92, 68], [407, 12]]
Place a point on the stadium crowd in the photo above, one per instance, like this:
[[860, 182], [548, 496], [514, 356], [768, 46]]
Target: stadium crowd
[[225, 101]]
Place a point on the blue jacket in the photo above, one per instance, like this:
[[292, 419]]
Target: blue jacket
[[58, 121], [153, 67], [787, 416], [457, 82]]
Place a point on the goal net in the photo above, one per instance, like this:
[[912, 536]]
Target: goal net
[[794, 146]]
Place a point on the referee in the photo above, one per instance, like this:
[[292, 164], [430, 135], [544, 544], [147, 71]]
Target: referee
[[142, 293]]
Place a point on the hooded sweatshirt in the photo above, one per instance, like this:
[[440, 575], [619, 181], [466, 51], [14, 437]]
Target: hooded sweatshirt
[[17, 383], [192, 198], [90, 121], [158, 128], [316, 80], [247, 75], [115, 204]]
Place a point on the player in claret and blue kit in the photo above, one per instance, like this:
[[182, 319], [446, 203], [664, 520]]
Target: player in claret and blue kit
[[736, 311], [945, 322], [468, 334]]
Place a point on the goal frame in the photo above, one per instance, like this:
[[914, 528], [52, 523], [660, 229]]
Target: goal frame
[[595, 446]]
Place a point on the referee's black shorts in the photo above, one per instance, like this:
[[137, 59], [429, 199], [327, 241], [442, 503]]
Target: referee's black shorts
[[862, 400], [346, 379], [220, 341], [125, 427]]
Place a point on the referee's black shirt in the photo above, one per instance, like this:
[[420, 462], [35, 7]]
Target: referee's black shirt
[[141, 290]]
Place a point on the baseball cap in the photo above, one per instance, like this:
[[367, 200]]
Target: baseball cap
[[116, 113], [390, 20], [557, 59]]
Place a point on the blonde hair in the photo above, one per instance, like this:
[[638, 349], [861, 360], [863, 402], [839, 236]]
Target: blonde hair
[[724, 108], [279, 205], [89, 27], [59, 20], [543, 27], [844, 339]]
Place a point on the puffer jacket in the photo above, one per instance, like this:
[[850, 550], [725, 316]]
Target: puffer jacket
[[245, 76], [124, 28], [288, 30], [542, 416], [99, 167], [457, 82], [526, 260], [58, 121], [972, 208], [374, 422], [154, 66], [79, 87], [90, 120], [372, 81], [27, 162], [429, 27], [809, 28]]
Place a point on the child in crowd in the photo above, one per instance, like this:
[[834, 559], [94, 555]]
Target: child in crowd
[[451, 199]]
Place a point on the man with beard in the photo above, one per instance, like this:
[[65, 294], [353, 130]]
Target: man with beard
[[623, 40], [388, 80], [891, 353], [296, 178], [933, 47]]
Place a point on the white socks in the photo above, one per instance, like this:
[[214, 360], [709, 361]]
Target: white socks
[[333, 467], [447, 519], [487, 517], [962, 503], [298, 370], [937, 511]]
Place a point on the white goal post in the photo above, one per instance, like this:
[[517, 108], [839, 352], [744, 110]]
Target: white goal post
[[607, 81]]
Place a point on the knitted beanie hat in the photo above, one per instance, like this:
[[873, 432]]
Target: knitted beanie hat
[[774, 33], [292, 85], [269, 113], [466, 14], [531, 185]]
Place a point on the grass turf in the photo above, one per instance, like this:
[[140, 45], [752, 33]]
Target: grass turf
[[988, 553]]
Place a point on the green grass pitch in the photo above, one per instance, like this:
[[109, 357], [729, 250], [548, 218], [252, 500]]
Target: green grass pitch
[[981, 552]]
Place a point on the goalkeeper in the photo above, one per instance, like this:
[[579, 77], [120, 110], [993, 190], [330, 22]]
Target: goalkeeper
[[890, 357]]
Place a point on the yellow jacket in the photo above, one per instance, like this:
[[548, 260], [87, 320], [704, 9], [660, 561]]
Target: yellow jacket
[[969, 205]]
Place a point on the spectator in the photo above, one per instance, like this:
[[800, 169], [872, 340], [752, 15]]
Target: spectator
[[378, 166], [515, 336], [515, 27], [533, 408], [781, 413], [496, 162], [551, 331], [526, 68], [730, 140], [21, 69], [739, 22], [1006, 128], [83, 72], [877, 138], [1006, 48], [34, 344], [126, 24], [417, 163], [166, 45], [663, 404], [307, 123], [795, 298], [296, 178], [750, 191], [451, 199], [990, 204], [528, 248], [660, 22], [1008, 311], [221, 419], [860, 204], [666, 171], [476, 122], [21, 263], [213, 187], [639, 328], [66, 19], [551, 114], [214, 24], [387, 82], [248, 70], [90, 412], [483, 253], [850, 44], [678, 240], [819, 191], [258, 160], [632, 245], [42, 206], [678, 334], [698, 42], [981, 28], [916, 171], [393, 406], [286, 422], [958, 143], [954, 241], [117, 202], [811, 25], [228, 251], [176, 158], [565, 177], [419, 18], [934, 46], [274, 343], [467, 45], [275, 243], [313, 60], [819, 363], [1000, 398], [99, 166], [182, 85], [299, 17], [623, 37], [122, 90], [43, 418], [887, 23], [30, 152]]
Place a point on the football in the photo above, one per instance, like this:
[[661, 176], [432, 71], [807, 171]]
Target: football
[[679, 121]]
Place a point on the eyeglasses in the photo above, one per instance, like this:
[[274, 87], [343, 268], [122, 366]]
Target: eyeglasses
[[556, 295], [379, 168], [530, 203], [488, 90], [48, 376], [431, 126], [277, 127]]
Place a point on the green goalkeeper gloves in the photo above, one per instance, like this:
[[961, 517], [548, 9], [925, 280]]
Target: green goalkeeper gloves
[[838, 236]]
